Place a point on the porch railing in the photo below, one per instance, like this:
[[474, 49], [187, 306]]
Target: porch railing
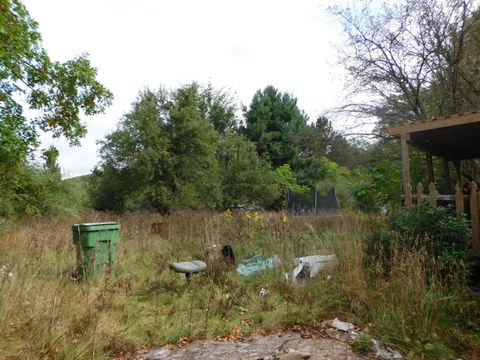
[[418, 195]]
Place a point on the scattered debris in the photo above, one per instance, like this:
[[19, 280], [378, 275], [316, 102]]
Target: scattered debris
[[5, 271], [315, 263], [307, 267], [383, 210], [344, 326], [256, 264], [263, 292], [327, 340], [381, 353], [386, 353], [219, 251], [188, 267]]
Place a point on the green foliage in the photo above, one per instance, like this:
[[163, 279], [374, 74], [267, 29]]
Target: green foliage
[[79, 196], [312, 169], [135, 156], [377, 182], [274, 123], [109, 188], [364, 344], [163, 153], [438, 231], [219, 108], [441, 225], [56, 94], [316, 139], [287, 182], [34, 191], [192, 144], [340, 178], [50, 156], [246, 178]]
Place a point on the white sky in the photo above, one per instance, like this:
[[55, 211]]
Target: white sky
[[243, 45]]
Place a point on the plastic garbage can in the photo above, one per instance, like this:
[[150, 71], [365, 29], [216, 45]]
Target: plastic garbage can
[[96, 245]]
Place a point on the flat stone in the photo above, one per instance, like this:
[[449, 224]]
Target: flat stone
[[259, 347]]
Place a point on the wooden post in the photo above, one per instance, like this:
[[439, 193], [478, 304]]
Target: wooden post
[[459, 204], [475, 217], [446, 174], [404, 137], [458, 168], [408, 194], [430, 167], [432, 195], [419, 193]]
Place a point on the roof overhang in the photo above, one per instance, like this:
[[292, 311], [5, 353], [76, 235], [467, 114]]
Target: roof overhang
[[452, 137]]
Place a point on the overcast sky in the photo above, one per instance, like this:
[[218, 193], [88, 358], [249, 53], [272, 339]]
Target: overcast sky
[[242, 45]]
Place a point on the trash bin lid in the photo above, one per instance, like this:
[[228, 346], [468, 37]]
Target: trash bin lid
[[101, 226]]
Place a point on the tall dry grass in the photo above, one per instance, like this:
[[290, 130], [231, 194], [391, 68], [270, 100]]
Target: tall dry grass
[[44, 314]]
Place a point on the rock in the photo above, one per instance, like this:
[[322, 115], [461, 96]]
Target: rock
[[294, 355], [289, 345]]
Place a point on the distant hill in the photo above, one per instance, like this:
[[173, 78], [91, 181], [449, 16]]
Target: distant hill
[[79, 187], [82, 179]]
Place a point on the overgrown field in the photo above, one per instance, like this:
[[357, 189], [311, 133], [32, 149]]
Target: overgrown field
[[44, 314]]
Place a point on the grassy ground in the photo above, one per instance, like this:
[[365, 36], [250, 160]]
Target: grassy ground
[[46, 315]]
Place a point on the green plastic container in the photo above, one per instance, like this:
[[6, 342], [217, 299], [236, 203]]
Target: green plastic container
[[96, 246]]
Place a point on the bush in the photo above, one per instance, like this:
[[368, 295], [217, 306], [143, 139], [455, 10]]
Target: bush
[[32, 190], [447, 231], [439, 232]]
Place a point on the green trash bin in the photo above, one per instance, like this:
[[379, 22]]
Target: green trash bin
[[96, 245]]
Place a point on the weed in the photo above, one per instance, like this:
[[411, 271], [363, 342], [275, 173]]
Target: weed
[[43, 313], [364, 344]]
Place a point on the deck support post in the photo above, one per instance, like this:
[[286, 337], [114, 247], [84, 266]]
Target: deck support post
[[475, 217], [458, 168], [405, 164], [430, 167], [446, 175]]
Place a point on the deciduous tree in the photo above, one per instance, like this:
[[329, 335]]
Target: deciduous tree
[[411, 59], [247, 179], [56, 94], [163, 154]]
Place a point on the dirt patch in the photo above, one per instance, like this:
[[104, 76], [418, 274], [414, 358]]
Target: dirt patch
[[259, 347]]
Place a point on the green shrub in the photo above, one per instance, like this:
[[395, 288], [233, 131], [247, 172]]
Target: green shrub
[[439, 232], [446, 230], [32, 190]]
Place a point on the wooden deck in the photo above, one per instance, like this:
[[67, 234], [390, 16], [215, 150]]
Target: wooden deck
[[452, 138]]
